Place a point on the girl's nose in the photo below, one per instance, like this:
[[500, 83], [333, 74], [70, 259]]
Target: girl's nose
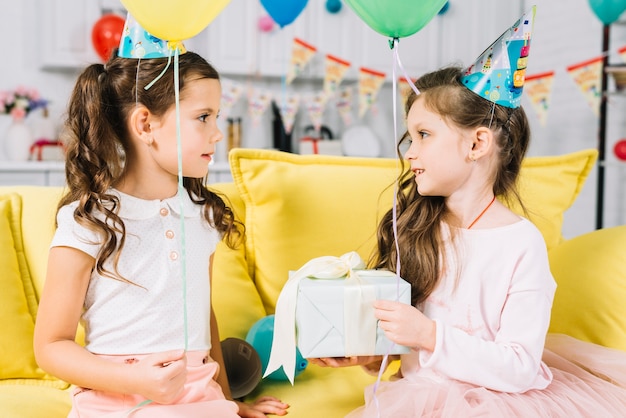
[[217, 136]]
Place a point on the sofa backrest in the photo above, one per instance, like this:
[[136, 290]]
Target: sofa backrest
[[301, 207]]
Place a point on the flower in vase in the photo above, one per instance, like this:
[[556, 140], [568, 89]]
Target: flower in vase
[[20, 102]]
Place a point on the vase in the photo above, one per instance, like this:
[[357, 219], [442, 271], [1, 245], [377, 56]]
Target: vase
[[17, 141]]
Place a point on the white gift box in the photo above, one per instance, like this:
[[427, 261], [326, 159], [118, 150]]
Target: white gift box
[[335, 318], [320, 146]]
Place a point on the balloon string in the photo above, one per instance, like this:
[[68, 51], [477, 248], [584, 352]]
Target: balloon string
[[397, 63], [181, 191]]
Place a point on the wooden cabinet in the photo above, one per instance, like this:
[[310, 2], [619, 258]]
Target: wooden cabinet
[[65, 36]]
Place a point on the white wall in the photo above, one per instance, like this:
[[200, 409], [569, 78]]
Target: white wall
[[566, 32]]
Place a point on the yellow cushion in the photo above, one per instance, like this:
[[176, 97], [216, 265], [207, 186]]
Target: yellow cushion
[[549, 186], [300, 207], [589, 303], [17, 298], [39, 205], [33, 399], [236, 302]]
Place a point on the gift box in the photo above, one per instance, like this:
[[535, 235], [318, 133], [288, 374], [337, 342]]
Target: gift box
[[335, 318], [310, 146], [325, 309]]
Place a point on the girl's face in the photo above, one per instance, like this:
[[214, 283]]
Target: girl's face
[[438, 153], [199, 109]]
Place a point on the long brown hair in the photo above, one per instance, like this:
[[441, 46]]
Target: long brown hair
[[97, 139], [419, 217]]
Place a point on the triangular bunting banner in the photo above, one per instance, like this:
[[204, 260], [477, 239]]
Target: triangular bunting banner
[[288, 111], [301, 54], [335, 71], [345, 97], [588, 75], [315, 104], [258, 101], [370, 82], [231, 92], [538, 89]]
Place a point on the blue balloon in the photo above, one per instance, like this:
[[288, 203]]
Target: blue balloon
[[260, 337], [608, 11], [284, 11]]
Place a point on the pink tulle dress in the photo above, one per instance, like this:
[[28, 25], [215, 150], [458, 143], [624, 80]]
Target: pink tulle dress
[[491, 356]]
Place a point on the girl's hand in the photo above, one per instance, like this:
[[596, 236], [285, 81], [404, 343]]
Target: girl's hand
[[347, 361], [262, 406], [405, 325], [161, 376]]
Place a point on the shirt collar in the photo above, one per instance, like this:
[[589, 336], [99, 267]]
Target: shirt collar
[[132, 207]]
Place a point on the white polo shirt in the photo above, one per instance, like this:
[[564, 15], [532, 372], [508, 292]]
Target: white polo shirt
[[147, 316]]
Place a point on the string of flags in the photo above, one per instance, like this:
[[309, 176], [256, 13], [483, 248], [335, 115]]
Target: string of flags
[[586, 75], [368, 85]]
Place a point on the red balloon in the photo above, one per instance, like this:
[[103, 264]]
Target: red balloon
[[106, 35], [620, 149]]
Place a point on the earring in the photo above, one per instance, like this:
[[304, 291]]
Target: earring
[[472, 157]]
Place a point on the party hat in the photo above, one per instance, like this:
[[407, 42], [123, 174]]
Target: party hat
[[498, 74], [136, 42]]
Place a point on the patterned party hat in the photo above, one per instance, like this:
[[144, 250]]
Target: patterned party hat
[[498, 74], [136, 42]]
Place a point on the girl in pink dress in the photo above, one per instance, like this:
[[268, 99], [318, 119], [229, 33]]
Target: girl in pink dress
[[482, 289], [132, 254]]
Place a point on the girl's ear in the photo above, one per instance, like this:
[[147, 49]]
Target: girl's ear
[[139, 125], [482, 143]]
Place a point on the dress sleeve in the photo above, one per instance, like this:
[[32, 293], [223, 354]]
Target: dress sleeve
[[511, 362], [70, 233]]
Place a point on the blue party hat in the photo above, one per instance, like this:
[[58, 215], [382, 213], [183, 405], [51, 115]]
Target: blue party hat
[[136, 42], [498, 74]]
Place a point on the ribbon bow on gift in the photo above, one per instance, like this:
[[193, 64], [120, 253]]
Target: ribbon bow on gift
[[360, 324]]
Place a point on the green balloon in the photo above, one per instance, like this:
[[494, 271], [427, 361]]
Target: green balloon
[[396, 18]]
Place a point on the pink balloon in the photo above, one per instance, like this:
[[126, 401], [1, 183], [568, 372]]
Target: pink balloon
[[266, 24], [620, 149]]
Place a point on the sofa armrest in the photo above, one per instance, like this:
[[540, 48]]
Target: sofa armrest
[[590, 271]]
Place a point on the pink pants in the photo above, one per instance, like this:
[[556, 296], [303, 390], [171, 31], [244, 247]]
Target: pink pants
[[202, 396]]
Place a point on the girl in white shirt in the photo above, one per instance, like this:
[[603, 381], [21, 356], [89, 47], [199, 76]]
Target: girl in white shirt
[[482, 289], [151, 341]]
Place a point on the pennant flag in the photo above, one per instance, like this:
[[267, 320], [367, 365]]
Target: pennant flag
[[301, 54], [335, 71], [538, 89], [258, 101], [370, 82], [289, 110], [344, 104], [315, 105], [231, 92], [588, 75]]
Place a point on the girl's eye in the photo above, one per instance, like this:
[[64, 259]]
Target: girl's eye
[[202, 118], [422, 134]]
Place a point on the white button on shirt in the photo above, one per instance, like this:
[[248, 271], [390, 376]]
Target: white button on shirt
[[146, 317]]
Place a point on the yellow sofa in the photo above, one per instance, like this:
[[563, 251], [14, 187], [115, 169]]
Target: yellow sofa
[[296, 208]]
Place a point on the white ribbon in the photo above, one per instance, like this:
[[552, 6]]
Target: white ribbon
[[283, 351]]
